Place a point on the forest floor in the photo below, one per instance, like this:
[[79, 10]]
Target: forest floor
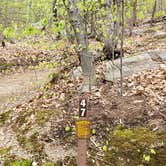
[[39, 106]]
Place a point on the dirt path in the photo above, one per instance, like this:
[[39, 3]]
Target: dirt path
[[18, 87]]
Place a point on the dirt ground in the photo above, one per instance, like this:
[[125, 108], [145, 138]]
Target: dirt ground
[[41, 128]]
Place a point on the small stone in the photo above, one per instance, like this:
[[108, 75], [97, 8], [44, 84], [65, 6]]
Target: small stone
[[34, 163]]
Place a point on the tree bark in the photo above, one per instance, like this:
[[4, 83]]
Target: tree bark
[[134, 13], [112, 27], [86, 59], [54, 9], [153, 12]]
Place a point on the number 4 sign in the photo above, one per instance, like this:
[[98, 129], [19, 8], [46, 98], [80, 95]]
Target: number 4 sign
[[83, 107]]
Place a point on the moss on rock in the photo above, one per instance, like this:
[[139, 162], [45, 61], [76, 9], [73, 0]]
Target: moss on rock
[[18, 163], [137, 146], [4, 117]]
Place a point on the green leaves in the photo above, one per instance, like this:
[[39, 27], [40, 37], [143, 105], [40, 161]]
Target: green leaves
[[152, 151], [10, 32], [67, 129], [21, 163], [146, 157], [93, 131], [58, 26], [105, 148]]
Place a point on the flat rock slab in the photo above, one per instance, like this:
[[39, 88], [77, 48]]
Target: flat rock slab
[[160, 34], [9, 140], [134, 64]]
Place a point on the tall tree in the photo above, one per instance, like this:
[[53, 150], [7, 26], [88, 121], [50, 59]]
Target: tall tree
[[153, 11], [85, 57], [134, 6], [112, 9]]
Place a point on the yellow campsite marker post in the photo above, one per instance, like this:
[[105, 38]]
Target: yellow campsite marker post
[[83, 132]]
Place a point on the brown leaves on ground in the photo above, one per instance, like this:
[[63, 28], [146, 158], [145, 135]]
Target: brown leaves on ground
[[35, 51], [143, 40], [143, 104], [19, 55], [151, 84]]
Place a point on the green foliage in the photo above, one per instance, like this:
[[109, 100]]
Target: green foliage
[[93, 131], [1, 28], [21, 163], [4, 117], [48, 164], [17, 17], [30, 30], [105, 148], [10, 32], [57, 26], [159, 14], [4, 151], [67, 128], [134, 147]]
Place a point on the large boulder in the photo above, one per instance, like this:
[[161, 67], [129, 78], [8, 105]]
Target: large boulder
[[133, 64]]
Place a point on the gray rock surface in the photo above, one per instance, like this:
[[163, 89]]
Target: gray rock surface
[[134, 64], [76, 72], [160, 35]]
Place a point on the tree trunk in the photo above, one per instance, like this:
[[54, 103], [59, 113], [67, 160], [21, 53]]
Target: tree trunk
[[112, 28], [153, 12], [134, 13], [109, 21], [89, 77], [54, 9]]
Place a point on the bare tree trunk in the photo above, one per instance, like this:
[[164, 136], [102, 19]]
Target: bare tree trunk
[[109, 31], [112, 28], [54, 9], [6, 13], [92, 25], [134, 13], [29, 11], [153, 12], [109, 20], [89, 77], [117, 22]]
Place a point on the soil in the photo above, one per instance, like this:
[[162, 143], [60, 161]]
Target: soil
[[39, 123], [13, 86]]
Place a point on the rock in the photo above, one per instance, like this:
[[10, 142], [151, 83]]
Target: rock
[[18, 62], [3, 64], [150, 30], [14, 62], [2, 61], [34, 163], [139, 32], [160, 35], [56, 152], [158, 52], [76, 72], [111, 72], [132, 64]]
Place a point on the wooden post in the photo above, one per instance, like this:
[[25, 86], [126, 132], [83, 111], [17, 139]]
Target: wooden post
[[82, 152], [83, 132]]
